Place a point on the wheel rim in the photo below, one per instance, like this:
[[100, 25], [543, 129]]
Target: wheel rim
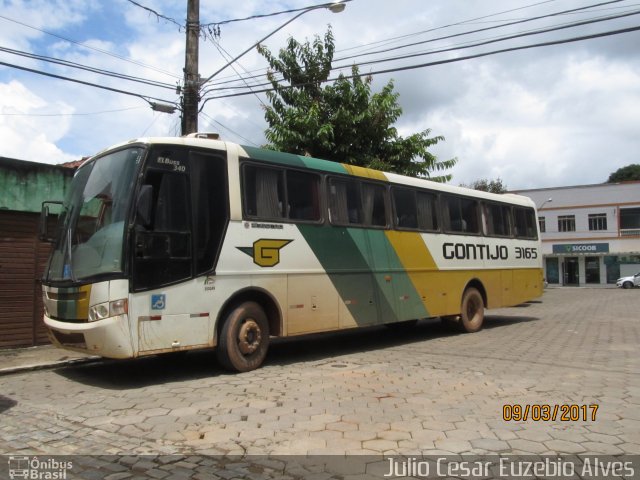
[[249, 337]]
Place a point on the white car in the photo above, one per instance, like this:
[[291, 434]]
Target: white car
[[629, 282]]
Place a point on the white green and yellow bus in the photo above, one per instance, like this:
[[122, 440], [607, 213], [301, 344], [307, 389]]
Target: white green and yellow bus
[[172, 244]]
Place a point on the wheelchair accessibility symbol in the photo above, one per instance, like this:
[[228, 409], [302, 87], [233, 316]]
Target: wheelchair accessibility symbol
[[158, 302]]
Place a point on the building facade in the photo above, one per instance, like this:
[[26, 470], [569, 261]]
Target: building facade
[[590, 233], [23, 187]]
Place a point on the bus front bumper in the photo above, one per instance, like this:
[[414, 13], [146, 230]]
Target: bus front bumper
[[109, 337]]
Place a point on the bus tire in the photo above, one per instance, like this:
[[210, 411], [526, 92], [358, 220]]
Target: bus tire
[[244, 338], [471, 311]]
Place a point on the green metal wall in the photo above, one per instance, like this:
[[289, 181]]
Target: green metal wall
[[25, 185]]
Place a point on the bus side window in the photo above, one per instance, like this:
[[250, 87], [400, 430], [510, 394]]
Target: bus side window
[[525, 223], [303, 195], [373, 205], [427, 211], [263, 192], [461, 215], [497, 217], [404, 200], [344, 202]]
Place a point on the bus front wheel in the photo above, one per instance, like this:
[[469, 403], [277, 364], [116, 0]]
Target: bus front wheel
[[244, 339], [472, 311]]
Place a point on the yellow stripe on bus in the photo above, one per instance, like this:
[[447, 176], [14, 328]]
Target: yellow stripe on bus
[[365, 172], [421, 268]]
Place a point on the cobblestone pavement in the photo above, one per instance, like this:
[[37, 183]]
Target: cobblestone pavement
[[417, 392]]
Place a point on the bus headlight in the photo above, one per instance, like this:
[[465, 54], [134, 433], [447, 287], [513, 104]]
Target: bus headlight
[[108, 309]]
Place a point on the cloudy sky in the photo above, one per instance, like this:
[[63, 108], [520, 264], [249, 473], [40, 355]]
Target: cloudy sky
[[565, 114]]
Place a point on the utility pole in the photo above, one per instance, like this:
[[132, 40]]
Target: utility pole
[[191, 89]]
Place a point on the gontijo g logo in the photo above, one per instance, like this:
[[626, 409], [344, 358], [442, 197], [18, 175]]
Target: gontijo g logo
[[266, 251]]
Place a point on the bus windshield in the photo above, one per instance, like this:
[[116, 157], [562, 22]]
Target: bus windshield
[[91, 228]]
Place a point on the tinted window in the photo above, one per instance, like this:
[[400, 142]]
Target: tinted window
[[210, 207], [344, 202], [404, 200], [427, 204], [373, 205], [525, 223], [263, 192], [460, 214], [303, 195], [498, 218]]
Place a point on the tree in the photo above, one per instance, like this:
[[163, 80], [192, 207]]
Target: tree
[[342, 121], [493, 186], [625, 174]]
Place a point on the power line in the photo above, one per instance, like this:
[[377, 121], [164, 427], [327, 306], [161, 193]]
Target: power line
[[75, 114], [451, 60], [87, 68], [530, 19], [158, 15], [265, 15], [82, 82], [105, 52], [499, 39], [392, 39], [565, 12], [453, 48], [210, 120]]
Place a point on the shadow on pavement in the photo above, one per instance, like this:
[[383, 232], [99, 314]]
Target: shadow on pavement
[[146, 371], [6, 403]]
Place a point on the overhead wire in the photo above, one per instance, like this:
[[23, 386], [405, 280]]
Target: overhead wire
[[71, 114], [105, 52], [212, 120], [431, 52], [495, 40], [147, 98], [457, 59], [479, 30], [87, 68]]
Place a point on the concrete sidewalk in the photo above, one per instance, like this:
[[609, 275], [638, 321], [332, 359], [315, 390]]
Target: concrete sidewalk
[[15, 360]]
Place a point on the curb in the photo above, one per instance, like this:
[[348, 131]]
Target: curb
[[49, 365]]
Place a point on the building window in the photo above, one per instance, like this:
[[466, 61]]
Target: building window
[[598, 221], [567, 223], [542, 223], [629, 221]]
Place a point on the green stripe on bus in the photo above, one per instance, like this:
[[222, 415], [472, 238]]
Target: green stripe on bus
[[341, 252], [393, 280], [291, 160]]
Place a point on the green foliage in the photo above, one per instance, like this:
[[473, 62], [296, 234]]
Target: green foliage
[[625, 174], [493, 186], [343, 121]]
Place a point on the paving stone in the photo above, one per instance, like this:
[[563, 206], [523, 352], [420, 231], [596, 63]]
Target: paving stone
[[563, 446], [435, 394]]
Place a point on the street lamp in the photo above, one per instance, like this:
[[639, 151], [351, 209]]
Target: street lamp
[[545, 202], [190, 105]]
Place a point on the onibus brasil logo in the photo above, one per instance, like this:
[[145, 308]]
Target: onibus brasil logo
[[266, 251], [38, 469]]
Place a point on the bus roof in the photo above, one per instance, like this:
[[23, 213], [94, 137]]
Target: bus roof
[[327, 166]]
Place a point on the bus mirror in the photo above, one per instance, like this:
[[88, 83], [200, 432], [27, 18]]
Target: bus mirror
[[145, 205], [45, 220]]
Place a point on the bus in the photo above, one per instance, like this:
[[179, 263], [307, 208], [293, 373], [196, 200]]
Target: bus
[[171, 244]]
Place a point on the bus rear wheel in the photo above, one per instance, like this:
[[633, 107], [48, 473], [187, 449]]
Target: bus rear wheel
[[244, 338], [471, 311]]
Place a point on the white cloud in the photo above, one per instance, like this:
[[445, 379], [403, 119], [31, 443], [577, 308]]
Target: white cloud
[[26, 135], [543, 117]]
